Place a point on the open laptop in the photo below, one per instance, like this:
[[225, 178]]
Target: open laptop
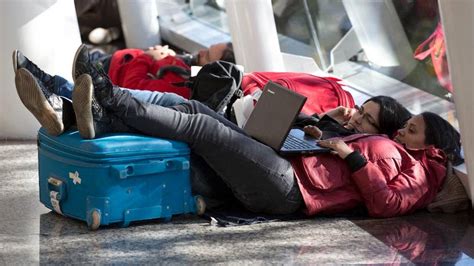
[[272, 118]]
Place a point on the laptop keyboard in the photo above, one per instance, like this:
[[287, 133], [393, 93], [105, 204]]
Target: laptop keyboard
[[294, 143]]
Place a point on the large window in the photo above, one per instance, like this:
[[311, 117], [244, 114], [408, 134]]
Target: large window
[[388, 33], [321, 24]]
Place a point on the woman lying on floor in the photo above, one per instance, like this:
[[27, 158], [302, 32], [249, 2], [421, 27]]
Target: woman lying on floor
[[388, 177]]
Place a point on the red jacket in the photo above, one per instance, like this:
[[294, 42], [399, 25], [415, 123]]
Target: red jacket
[[395, 181], [135, 73]]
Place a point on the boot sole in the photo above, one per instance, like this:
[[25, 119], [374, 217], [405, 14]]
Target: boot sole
[[15, 61], [78, 51], [34, 100], [82, 104]]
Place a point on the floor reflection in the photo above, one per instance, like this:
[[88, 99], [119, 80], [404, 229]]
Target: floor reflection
[[426, 238], [421, 238]]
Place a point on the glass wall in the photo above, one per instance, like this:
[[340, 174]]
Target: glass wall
[[321, 24], [389, 33]]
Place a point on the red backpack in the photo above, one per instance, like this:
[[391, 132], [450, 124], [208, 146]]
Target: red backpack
[[323, 93], [435, 47]]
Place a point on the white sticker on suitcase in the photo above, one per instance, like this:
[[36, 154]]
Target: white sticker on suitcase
[[75, 178]]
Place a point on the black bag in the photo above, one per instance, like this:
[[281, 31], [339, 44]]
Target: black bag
[[217, 85]]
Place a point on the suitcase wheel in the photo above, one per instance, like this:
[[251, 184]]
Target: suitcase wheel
[[200, 205], [95, 220]]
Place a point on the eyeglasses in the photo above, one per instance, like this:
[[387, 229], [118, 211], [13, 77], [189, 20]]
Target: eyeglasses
[[367, 117]]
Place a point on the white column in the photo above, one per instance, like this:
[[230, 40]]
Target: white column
[[458, 22], [381, 34], [139, 23], [47, 32], [254, 35]]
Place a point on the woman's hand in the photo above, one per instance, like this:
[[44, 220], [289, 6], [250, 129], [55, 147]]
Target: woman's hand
[[313, 131], [341, 114], [338, 146]]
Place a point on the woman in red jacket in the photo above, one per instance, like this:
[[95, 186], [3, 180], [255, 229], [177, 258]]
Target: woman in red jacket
[[388, 177]]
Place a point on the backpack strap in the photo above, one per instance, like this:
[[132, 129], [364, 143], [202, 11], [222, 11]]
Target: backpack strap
[[184, 73]]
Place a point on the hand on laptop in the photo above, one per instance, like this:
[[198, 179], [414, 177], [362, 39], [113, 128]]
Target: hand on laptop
[[337, 145], [313, 131]]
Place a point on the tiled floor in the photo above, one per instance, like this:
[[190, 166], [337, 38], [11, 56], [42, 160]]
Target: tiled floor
[[31, 234]]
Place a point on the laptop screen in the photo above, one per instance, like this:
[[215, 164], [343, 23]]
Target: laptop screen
[[274, 114]]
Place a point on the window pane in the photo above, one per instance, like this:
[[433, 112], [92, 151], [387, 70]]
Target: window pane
[[384, 28], [388, 31], [211, 12], [303, 21]]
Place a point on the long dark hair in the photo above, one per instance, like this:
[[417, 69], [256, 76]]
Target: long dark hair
[[443, 136], [392, 115]]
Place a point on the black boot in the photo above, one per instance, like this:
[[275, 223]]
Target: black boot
[[92, 119], [82, 65], [44, 105], [21, 61], [88, 111]]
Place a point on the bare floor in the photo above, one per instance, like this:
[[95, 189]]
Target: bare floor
[[32, 234]]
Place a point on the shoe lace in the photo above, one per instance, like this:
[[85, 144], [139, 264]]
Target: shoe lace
[[47, 93], [38, 72], [100, 77], [100, 72], [102, 84], [97, 110], [49, 84], [54, 100]]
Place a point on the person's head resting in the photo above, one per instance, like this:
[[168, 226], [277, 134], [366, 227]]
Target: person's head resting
[[379, 115], [427, 129], [219, 51]]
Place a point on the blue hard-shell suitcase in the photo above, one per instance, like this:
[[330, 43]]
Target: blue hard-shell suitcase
[[118, 178]]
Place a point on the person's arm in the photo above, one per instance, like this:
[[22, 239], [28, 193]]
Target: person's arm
[[137, 77], [303, 120], [188, 59], [388, 192]]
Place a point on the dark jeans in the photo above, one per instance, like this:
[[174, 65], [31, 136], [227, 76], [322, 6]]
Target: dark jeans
[[258, 177]]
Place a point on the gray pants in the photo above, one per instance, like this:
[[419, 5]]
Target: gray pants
[[257, 176]]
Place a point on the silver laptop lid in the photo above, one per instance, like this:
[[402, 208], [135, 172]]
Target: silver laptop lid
[[274, 114]]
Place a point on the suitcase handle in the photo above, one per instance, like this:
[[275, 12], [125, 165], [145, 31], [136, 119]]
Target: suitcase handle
[[123, 171], [57, 193], [57, 186]]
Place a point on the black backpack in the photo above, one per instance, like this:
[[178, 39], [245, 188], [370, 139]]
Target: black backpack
[[217, 85]]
